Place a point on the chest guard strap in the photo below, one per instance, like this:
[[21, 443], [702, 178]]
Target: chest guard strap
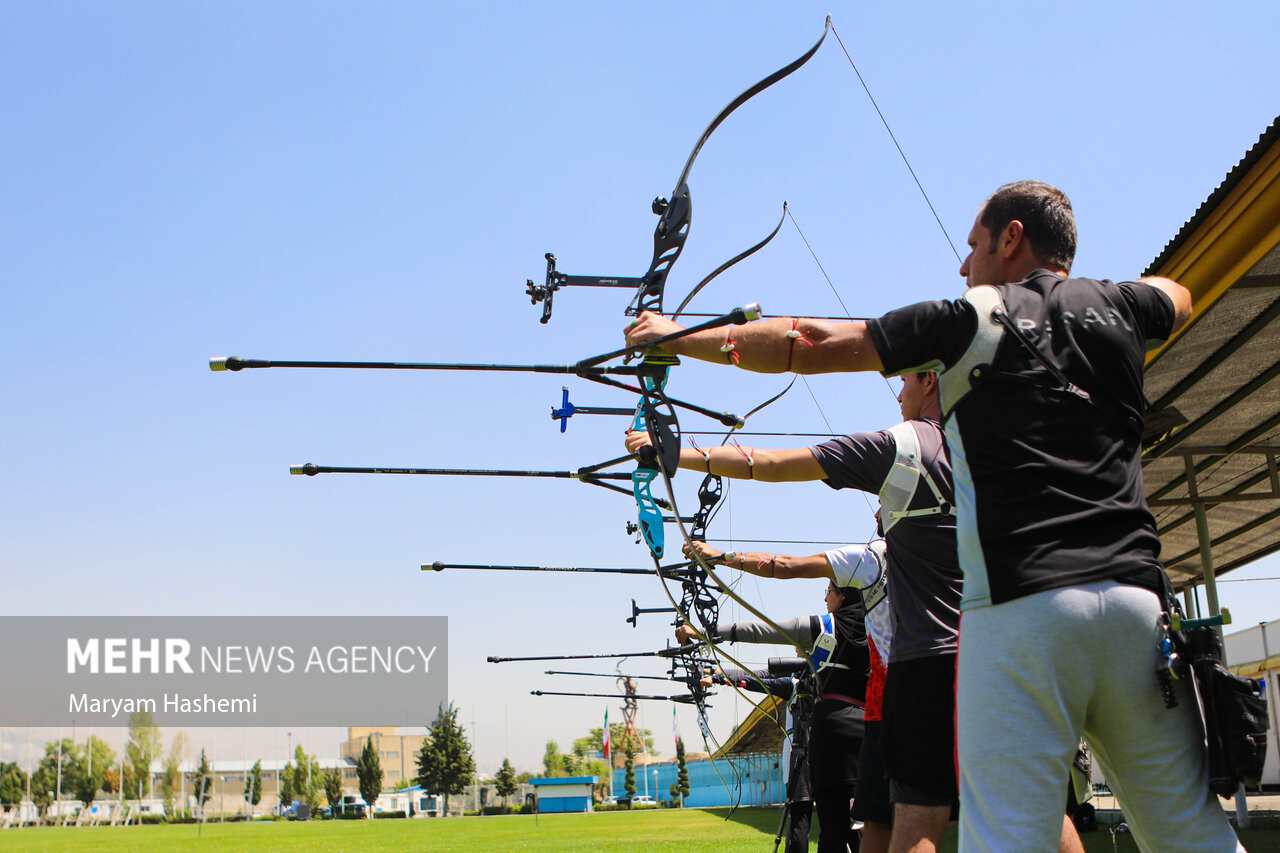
[[904, 478], [957, 381]]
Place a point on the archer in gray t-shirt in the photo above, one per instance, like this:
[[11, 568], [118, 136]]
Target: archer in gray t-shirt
[[924, 572]]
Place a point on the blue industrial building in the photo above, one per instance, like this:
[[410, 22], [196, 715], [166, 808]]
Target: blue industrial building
[[568, 794], [747, 780]]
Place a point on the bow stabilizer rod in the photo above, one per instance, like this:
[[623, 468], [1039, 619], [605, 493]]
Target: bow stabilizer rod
[[586, 368], [616, 676], [590, 475], [439, 566], [310, 469], [670, 652], [676, 571], [684, 699], [590, 369]]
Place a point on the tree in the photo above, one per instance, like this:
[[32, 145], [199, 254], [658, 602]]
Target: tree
[[681, 787], [203, 782], [143, 748], [285, 791], [505, 781], [333, 790], [552, 761], [629, 779], [129, 781], [111, 782], [253, 784], [13, 784], [171, 780], [57, 772], [445, 765], [308, 780], [369, 775], [89, 770]]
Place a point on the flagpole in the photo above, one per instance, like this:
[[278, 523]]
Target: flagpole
[[608, 751]]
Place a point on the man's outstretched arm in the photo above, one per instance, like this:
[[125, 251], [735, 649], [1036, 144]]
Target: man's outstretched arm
[[743, 463], [777, 345]]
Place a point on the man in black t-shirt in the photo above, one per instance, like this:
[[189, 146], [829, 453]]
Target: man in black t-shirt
[[1042, 406]]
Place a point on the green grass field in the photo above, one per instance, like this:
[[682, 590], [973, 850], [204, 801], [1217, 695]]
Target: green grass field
[[687, 831]]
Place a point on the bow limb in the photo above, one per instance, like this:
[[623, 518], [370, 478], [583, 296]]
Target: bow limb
[[673, 228], [749, 93], [684, 303]]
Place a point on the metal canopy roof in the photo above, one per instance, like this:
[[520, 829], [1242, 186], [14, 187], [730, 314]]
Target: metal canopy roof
[[1214, 391]]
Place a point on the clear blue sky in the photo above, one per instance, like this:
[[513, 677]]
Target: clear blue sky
[[328, 180]]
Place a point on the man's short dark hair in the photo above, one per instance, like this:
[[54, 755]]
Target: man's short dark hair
[[1046, 217]]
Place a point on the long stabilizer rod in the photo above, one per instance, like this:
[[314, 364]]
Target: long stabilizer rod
[[590, 476], [582, 369], [615, 675], [684, 700], [675, 651], [587, 367], [674, 572], [236, 363], [311, 469], [439, 566]]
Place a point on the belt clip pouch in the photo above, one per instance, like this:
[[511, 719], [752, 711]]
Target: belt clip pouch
[[1234, 707], [1235, 711]]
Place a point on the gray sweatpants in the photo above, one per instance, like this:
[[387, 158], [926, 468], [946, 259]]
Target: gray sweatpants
[[1036, 673]]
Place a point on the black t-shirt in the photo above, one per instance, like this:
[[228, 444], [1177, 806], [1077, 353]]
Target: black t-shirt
[[1048, 483]]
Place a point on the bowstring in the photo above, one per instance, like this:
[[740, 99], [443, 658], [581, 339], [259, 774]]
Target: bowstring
[[901, 153]]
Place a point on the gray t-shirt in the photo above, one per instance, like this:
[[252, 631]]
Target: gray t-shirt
[[924, 570]]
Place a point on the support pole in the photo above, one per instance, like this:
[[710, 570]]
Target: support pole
[[1206, 546], [1211, 595]]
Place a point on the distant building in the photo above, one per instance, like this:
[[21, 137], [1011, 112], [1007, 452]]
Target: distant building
[[567, 794], [397, 747]]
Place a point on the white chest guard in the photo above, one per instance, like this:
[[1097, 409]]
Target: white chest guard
[[904, 478], [957, 381]]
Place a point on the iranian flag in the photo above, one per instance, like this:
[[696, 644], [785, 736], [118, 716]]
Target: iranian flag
[[606, 734], [675, 724]]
